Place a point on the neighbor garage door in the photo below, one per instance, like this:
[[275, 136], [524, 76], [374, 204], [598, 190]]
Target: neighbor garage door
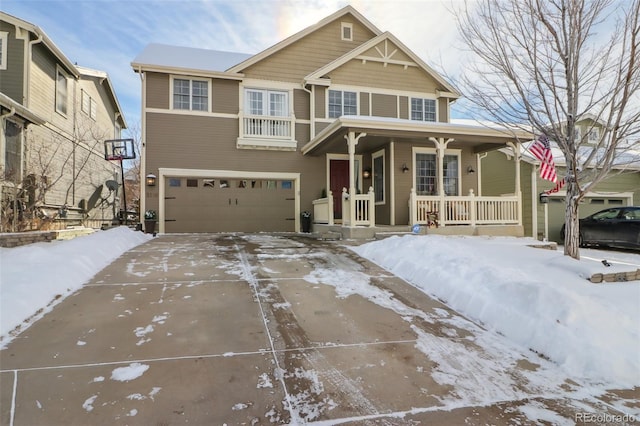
[[229, 205]]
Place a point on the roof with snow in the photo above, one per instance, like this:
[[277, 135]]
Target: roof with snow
[[164, 55]]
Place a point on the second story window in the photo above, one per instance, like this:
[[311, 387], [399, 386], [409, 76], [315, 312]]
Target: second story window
[[342, 103], [62, 83], [423, 109], [267, 103], [190, 94], [594, 134]]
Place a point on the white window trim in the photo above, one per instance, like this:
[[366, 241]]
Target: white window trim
[[422, 97], [59, 70], [190, 78], [421, 150], [266, 101], [4, 36], [357, 171], [3, 147], [341, 90], [343, 26], [374, 156], [594, 134]]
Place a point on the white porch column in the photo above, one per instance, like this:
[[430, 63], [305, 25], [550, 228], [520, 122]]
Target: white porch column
[[515, 147], [441, 146], [352, 141]]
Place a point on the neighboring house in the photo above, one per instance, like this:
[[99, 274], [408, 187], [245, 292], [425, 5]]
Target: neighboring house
[[620, 188], [248, 142], [55, 117]]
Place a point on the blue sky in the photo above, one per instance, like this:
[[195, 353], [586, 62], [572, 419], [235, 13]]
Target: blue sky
[[108, 34]]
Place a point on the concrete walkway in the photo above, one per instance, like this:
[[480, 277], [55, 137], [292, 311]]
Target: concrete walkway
[[261, 329]]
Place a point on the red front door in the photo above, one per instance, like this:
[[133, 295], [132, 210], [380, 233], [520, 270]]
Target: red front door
[[338, 179]]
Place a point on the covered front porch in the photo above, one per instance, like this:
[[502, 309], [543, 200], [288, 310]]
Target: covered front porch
[[406, 176]]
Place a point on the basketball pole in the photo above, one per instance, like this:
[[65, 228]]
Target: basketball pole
[[124, 195]]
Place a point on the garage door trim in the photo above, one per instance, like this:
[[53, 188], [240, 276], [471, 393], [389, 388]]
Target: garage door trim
[[231, 174]]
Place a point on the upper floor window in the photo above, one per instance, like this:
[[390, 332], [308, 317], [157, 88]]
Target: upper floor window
[[4, 38], [267, 102], [346, 31], [190, 94], [594, 134], [62, 83], [423, 109], [342, 103], [89, 105]]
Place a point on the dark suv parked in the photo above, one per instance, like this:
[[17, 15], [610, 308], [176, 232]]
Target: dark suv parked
[[616, 227]]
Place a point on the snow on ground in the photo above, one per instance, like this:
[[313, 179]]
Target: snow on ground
[[33, 278], [539, 299]]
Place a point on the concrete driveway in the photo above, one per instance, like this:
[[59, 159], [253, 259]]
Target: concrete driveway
[[262, 329]]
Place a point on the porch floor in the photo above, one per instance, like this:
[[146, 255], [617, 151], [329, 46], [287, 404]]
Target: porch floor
[[383, 231]]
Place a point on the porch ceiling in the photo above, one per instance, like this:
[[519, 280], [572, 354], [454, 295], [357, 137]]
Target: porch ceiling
[[381, 130]]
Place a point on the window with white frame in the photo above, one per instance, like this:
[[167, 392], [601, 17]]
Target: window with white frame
[[423, 109], [4, 39], [426, 172], [190, 94], [377, 159], [13, 149], [594, 134], [271, 103], [346, 31], [342, 103], [62, 89]]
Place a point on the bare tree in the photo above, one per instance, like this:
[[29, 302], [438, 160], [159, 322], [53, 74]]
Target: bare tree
[[547, 64]]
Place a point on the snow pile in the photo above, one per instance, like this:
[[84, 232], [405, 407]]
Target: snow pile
[[35, 275], [539, 299]]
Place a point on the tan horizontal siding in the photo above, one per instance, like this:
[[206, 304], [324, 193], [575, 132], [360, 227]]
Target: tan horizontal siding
[[225, 96], [364, 103], [157, 90], [310, 53], [375, 74], [321, 93], [301, 106], [443, 110], [404, 107], [384, 105], [302, 134]]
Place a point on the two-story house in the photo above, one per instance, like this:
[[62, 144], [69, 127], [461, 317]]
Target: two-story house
[[543, 220], [55, 118], [340, 120]]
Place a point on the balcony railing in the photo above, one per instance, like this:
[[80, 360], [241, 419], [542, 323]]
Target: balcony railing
[[267, 127], [465, 210]]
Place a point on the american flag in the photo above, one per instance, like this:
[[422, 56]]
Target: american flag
[[558, 187], [541, 149]]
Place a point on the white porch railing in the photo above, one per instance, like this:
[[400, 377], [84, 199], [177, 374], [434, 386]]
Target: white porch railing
[[323, 209], [364, 209], [464, 210], [269, 127]]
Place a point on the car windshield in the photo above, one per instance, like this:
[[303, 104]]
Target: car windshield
[[606, 214]]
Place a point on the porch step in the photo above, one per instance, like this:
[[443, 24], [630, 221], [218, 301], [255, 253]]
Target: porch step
[[383, 235], [330, 236]]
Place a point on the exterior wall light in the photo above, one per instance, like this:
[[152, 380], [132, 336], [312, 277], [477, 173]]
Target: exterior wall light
[[470, 170], [366, 173], [405, 169], [151, 179]]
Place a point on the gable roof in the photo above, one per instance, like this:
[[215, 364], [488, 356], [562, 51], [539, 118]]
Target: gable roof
[[299, 35], [104, 77], [157, 55], [316, 76], [40, 34]]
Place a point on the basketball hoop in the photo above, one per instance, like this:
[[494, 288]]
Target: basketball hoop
[[119, 149]]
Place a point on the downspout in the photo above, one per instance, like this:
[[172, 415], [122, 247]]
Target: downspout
[[534, 203], [479, 158], [143, 152], [27, 61], [312, 109]]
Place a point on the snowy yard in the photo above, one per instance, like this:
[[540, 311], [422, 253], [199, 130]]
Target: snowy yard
[[539, 299]]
